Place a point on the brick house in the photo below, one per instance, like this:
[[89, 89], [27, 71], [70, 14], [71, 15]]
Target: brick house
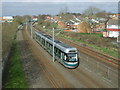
[[61, 25], [1, 19], [99, 27], [48, 17]]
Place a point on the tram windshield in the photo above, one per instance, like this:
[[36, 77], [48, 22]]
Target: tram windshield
[[71, 57]]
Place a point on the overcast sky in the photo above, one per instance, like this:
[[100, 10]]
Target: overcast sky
[[53, 7], [60, 0]]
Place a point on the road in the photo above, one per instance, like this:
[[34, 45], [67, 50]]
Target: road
[[42, 72]]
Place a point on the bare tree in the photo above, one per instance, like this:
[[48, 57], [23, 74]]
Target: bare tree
[[64, 10], [91, 11], [64, 14]]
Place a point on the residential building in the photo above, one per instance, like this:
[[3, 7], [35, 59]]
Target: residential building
[[1, 19], [61, 25], [48, 17], [7, 19], [115, 16], [34, 18], [113, 28], [99, 27]]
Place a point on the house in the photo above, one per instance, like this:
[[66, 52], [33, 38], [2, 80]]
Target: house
[[8, 18], [113, 28], [48, 17], [72, 25], [1, 19], [34, 18], [99, 27], [56, 18], [115, 16], [61, 25]]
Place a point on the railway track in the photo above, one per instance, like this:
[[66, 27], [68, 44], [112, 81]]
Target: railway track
[[94, 53], [53, 76], [102, 56], [76, 73], [89, 51]]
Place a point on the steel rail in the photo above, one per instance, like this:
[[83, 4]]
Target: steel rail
[[50, 76], [101, 56], [87, 50]]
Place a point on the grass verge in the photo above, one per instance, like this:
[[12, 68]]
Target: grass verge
[[15, 76], [100, 49]]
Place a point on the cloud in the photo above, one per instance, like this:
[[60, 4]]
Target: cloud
[[60, 1]]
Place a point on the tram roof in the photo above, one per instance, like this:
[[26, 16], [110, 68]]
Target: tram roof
[[56, 41]]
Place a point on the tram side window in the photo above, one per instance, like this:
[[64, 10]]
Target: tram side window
[[43, 41], [55, 50], [40, 39], [36, 36], [59, 53], [50, 47], [47, 44], [64, 56]]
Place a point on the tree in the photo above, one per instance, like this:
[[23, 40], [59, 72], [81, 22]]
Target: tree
[[28, 17], [21, 19], [64, 14], [41, 19], [84, 27], [102, 14], [91, 11], [18, 19], [64, 10]]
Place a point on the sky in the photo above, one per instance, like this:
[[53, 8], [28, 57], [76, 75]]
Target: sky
[[53, 7], [60, 0]]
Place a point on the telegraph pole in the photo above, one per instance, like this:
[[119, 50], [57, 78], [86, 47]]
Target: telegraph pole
[[26, 23], [53, 46]]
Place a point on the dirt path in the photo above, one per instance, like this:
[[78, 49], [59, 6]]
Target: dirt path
[[34, 74]]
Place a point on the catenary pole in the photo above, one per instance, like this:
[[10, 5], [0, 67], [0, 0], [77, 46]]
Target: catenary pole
[[53, 46], [26, 23], [31, 27]]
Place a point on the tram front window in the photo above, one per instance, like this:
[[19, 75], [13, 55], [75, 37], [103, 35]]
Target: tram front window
[[71, 57]]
